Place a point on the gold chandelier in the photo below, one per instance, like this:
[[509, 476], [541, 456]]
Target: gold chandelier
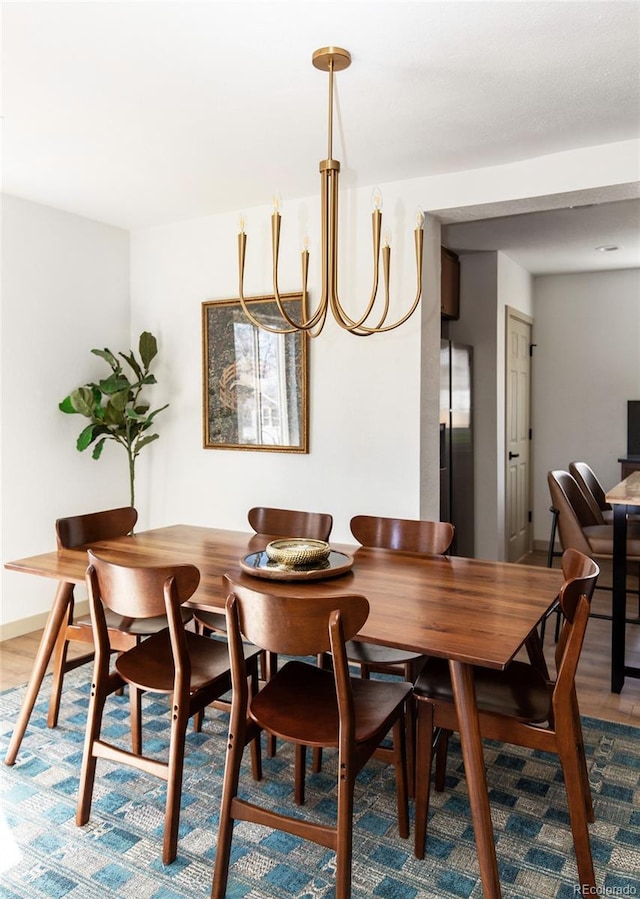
[[333, 59]]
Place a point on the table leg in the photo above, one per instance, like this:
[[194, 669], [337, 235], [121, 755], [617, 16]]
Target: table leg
[[471, 742], [57, 616], [619, 597]]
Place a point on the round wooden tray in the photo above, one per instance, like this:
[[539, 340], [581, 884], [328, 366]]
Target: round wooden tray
[[259, 565]]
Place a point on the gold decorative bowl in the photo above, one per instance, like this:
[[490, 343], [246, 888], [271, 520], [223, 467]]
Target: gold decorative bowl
[[298, 552]]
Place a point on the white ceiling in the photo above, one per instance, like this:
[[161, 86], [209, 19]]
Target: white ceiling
[[141, 113]]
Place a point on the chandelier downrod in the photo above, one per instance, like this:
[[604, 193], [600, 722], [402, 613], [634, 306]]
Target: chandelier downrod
[[331, 60]]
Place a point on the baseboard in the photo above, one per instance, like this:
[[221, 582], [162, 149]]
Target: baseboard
[[23, 626]]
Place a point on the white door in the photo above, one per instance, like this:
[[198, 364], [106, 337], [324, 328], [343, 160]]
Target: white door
[[518, 442]]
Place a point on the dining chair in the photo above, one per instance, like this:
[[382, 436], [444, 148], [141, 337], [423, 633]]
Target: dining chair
[[190, 669], [581, 525], [307, 706], [80, 530], [402, 535], [593, 490], [274, 523], [518, 705]]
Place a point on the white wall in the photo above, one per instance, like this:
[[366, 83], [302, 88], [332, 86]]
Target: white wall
[[65, 289], [586, 365], [365, 395]]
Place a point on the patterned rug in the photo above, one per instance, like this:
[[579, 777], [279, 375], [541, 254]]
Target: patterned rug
[[118, 854]]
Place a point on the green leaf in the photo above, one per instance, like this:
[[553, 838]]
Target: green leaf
[[144, 442], [85, 439], [149, 379], [97, 450], [148, 348], [108, 356], [67, 406], [83, 400], [119, 400], [133, 362], [115, 383]]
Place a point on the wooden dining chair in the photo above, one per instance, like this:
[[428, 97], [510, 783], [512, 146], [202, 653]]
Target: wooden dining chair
[[307, 706], [519, 706], [402, 535], [428, 538], [274, 523], [189, 668], [80, 530]]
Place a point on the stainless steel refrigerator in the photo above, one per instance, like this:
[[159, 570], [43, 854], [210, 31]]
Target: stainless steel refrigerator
[[456, 443]]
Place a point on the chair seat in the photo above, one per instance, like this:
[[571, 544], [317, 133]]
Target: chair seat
[[137, 627], [373, 654], [282, 706], [600, 538], [518, 692], [149, 666]]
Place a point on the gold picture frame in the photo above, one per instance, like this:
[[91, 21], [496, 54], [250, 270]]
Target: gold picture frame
[[255, 382]]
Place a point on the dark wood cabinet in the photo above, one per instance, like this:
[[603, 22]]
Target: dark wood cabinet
[[449, 284]]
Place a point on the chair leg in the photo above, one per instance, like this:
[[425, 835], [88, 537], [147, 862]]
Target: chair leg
[[235, 747], [300, 770], [135, 711], [442, 749], [89, 760], [424, 751], [179, 723], [344, 836], [569, 759], [271, 669], [400, 763], [582, 760]]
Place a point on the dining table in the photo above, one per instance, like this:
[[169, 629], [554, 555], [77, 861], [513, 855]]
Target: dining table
[[468, 611], [624, 498]]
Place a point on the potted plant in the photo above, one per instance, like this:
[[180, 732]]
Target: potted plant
[[114, 406]]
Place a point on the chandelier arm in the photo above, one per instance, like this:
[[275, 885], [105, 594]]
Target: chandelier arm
[[366, 331], [242, 244], [345, 320], [308, 323]]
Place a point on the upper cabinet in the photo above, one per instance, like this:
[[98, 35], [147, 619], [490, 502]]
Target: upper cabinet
[[449, 284]]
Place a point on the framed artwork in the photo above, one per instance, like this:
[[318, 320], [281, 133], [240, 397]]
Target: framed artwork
[[255, 383]]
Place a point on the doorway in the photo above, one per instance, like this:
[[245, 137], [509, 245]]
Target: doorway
[[518, 435]]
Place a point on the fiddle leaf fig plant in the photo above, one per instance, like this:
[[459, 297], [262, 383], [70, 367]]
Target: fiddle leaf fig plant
[[114, 406]]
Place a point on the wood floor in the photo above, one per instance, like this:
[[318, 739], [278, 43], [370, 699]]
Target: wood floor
[[595, 698]]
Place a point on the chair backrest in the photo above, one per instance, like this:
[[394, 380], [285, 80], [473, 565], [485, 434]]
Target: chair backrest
[[79, 530], [140, 591], [290, 523], [589, 484], [574, 512], [293, 625], [581, 574], [405, 535]]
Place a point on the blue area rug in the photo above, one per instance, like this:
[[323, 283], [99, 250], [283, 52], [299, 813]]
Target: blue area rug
[[118, 854]]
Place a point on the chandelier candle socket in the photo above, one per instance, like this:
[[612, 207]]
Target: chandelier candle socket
[[333, 59]]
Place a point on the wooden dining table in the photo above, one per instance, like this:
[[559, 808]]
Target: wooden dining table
[[469, 611], [624, 499]]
